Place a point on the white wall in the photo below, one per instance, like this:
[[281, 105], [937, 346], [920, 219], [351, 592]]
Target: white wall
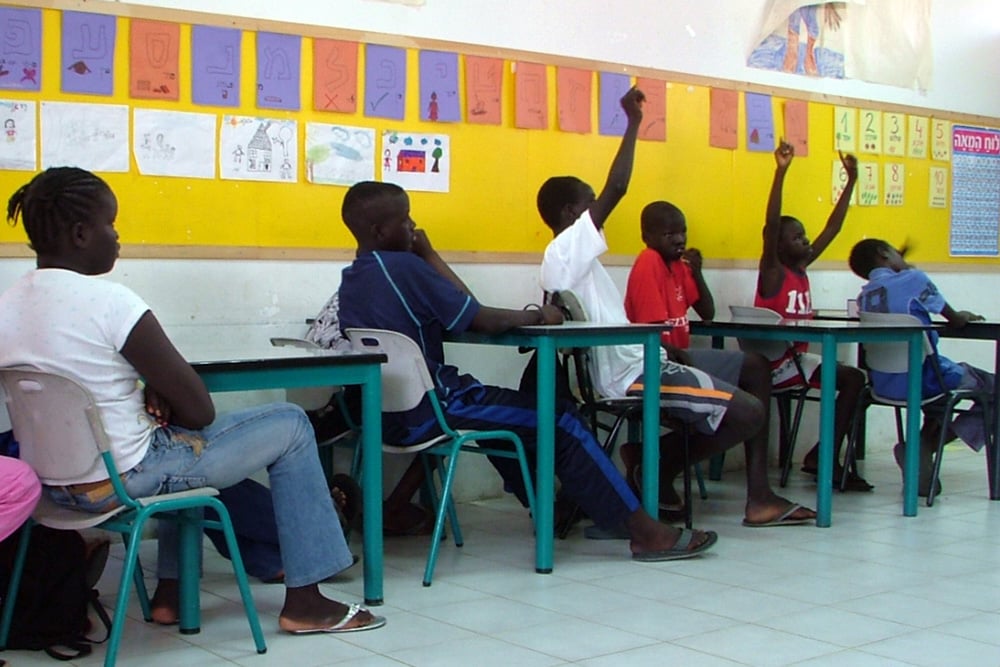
[[706, 37]]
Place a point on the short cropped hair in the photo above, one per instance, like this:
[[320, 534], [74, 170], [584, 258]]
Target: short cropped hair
[[865, 256], [352, 210], [555, 194], [53, 201], [659, 212]]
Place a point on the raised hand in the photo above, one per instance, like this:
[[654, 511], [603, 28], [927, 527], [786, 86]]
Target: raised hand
[[632, 104], [692, 257], [421, 244], [850, 165], [784, 153], [551, 314]]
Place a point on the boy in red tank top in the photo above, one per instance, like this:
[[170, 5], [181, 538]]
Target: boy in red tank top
[[783, 286]]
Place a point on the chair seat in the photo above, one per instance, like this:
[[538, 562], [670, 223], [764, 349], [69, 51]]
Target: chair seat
[[50, 514]]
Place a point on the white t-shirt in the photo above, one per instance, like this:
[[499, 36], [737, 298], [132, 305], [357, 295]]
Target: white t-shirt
[[75, 325], [570, 263]]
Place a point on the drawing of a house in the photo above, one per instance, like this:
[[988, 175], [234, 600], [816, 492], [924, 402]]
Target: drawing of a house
[[260, 151], [411, 161]]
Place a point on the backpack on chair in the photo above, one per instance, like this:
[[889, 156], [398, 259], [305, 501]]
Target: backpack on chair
[[56, 593]]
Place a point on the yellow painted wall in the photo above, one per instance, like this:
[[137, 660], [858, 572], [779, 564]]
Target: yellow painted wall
[[495, 173]]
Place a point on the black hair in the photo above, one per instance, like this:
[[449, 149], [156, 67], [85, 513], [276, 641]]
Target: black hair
[[53, 201], [358, 197], [659, 212], [866, 255], [555, 194]]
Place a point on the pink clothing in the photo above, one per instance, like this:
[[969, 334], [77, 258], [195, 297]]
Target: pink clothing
[[19, 492]]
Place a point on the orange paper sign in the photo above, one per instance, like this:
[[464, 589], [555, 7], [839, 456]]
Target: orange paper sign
[[573, 92], [724, 112], [154, 60], [654, 109], [531, 96], [335, 75], [797, 126], [483, 89]]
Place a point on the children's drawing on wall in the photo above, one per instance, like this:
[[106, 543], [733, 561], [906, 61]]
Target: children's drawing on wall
[[174, 143], [339, 154], [439, 86], [89, 136], [258, 149], [416, 161], [880, 42], [215, 65], [807, 40], [17, 149], [154, 60]]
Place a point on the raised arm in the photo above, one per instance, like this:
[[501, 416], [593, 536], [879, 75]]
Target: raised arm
[[769, 270], [705, 305], [621, 167], [836, 219], [171, 382]]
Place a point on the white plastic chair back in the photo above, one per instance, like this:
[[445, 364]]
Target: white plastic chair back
[[571, 302], [308, 398], [57, 424], [405, 378], [890, 356], [769, 349]]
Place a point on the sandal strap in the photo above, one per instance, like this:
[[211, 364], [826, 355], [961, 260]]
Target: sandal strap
[[352, 610]]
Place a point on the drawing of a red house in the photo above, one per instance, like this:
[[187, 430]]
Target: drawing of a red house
[[412, 161]]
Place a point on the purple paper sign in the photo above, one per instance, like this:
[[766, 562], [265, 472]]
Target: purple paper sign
[[760, 123], [21, 48], [611, 116], [278, 70], [88, 53], [439, 86], [215, 66], [385, 81]]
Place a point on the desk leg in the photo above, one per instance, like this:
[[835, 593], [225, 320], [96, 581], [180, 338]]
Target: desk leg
[[827, 405], [651, 425], [545, 455], [914, 376], [994, 468], [371, 481]]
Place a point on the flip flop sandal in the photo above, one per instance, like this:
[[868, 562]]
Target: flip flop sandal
[[338, 627]]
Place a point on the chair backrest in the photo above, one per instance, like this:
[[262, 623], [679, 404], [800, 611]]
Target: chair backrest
[[405, 378], [57, 425], [769, 349], [569, 303], [890, 356], [308, 398]]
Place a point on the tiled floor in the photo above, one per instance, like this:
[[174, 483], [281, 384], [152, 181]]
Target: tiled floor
[[875, 589]]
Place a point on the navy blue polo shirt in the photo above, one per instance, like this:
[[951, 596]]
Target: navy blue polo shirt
[[401, 292]]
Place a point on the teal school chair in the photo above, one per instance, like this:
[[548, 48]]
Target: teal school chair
[[62, 437], [786, 397], [893, 357], [406, 382], [621, 411]]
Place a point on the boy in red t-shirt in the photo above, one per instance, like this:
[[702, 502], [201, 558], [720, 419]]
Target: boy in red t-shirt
[[666, 281], [783, 286]]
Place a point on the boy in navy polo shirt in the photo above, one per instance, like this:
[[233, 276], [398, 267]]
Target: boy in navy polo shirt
[[398, 282]]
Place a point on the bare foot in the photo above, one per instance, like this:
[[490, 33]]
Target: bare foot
[[648, 535], [166, 602], [307, 610], [776, 510]]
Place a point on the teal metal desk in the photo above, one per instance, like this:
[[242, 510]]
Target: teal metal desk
[[266, 367], [547, 339], [829, 334]]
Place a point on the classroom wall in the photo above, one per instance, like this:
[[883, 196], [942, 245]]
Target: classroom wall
[[706, 38], [710, 38]]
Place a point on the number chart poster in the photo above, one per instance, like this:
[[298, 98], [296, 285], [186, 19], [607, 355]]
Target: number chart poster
[[975, 193]]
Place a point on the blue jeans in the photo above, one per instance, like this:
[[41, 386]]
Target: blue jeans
[[277, 436]]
